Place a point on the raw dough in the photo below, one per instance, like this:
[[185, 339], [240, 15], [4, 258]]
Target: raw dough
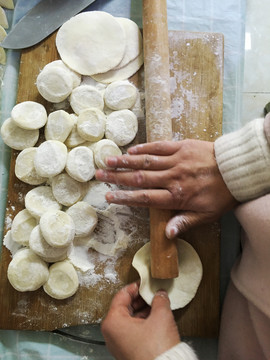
[[63, 280], [67, 190], [48, 253], [103, 149], [121, 127], [95, 194], [84, 217], [182, 289], [25, 169], [16, 137], [39, 200], [3, 18], [120, 95], [26, 271], [74, 139], [59, 126], [80, 164], [29, 115], [22, 226], [102, 42], [57, 228], [76, 77], [51, 158], [91, 124], [134, 41], [84, 97], [120, 74]]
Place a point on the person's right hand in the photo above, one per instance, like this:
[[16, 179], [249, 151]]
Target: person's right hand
[[178, 175]]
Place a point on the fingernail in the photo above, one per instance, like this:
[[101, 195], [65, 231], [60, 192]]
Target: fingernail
[[162, 293], [172, 232]]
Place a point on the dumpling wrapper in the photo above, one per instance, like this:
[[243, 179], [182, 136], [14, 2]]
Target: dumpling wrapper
[[182, 289]]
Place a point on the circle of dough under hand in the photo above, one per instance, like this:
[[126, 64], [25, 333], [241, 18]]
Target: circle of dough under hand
[[54, 84], [39, 200], [16, 137], [182, 289], [57, 228], [29, 115], [84, 217], [67, 190], [120, 95], [121, 127], [84, 97], [134, 44], [48, 253], [80, 164], [50, 159], [59, 126], [122, 73], [103, 149], [22, 226], [25, 169], [63, 280], [102, 42], [26, 271], [91, 124]]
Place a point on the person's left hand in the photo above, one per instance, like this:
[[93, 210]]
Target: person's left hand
[[134, 331]]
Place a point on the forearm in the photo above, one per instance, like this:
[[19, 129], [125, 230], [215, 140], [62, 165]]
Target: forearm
[[181, 351], [243, 158]]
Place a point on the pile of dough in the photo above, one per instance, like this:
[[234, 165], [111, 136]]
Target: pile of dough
[[120, 95], [84, 217], [63, 280], [29, 115], [27, 271], [182, 289], [58, 126], [91, 124], [66, 190], [56, 81], [84, 97], [22, 226], [121, 127], [103, 149], [80, 164]]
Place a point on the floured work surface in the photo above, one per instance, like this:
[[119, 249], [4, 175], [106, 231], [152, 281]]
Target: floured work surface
[[196, 89]]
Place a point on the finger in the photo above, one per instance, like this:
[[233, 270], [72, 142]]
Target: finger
[[125, 297], [145, 161], [155, 148], [156, 198], [183, 222], [138, 178], [160, 303]]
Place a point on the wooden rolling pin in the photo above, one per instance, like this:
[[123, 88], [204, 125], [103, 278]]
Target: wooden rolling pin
[[164, 257]]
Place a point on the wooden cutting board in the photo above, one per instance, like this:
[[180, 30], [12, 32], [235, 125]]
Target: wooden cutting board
[[196, 65]]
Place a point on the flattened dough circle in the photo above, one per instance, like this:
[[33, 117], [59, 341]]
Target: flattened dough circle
[[182, 289], [102, 42]]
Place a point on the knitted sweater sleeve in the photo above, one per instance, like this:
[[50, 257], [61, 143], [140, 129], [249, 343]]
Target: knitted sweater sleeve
[[181, 351], [243, 158]]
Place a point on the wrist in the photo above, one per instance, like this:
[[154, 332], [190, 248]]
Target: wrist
[[181, 351]]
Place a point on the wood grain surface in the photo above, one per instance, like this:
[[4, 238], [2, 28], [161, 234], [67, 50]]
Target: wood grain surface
[[196, 70]]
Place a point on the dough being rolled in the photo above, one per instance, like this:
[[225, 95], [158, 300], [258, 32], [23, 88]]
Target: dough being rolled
[[182, 289]]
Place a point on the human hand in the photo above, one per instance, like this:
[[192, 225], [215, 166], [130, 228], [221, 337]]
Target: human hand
[[134, 331], [178, 175]]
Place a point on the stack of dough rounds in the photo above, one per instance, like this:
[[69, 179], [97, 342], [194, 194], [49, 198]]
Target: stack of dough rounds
[[27, 271], [63, 280], [56, 81]]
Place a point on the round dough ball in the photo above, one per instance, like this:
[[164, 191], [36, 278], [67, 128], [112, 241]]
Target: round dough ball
[[22, 226], [29, 115], [59, 126], [120, 95], [67, 190], [182, 289], [39, 200], [16, 137], [46, 252], [102, 150], [63, 280], [74, 139], [26, 271], [91, 124], [25, 169], [51, 158], [84, 97], [102, 42], [80, 164], [76, 77], [54, 84], [57, 228], [121, 127], [85, 218]]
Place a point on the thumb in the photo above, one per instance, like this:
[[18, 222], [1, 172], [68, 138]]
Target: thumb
[[183, 222], [160, 303]]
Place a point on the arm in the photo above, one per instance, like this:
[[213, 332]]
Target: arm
[[132, 330]]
